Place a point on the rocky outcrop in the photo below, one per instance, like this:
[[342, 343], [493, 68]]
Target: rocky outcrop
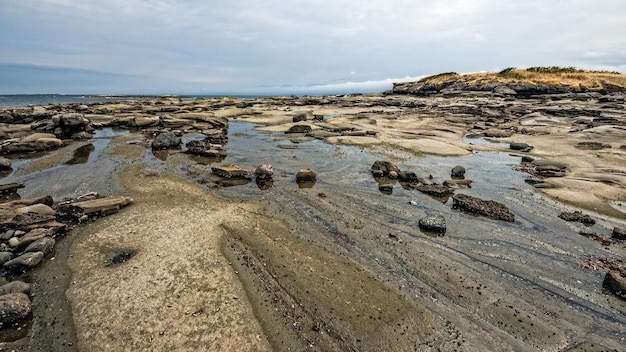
[[230, 171], [382, 168], [577, 216], [166, 140]]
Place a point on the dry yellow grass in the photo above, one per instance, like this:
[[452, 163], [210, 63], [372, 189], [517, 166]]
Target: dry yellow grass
[[577, 79]]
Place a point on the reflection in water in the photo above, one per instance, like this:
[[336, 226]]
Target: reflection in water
[[306, 184], [81, 155], [386, 189], [264, 183], [206, 160], [230, 182]]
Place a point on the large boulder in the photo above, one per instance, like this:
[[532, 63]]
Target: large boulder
[[14, 307], [166, 140]]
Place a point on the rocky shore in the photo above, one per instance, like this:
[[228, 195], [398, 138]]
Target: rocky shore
[[354, 222]]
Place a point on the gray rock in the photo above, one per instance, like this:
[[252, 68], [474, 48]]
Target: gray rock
[[14, 307], [5, 163], [7, 235], [45, 245], [166, 140], [24, 262], [300, 117], [5, 257], [306, 175], [577, 216], [407, 176], [458, 172], [433, 222], [264, 171], [504, 90], [15, 287]]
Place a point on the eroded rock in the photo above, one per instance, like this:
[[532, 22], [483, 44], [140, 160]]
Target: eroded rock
[[433, 222], [488, 208]]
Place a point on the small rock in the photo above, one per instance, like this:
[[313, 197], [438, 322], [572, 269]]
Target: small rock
[[527, 159], [14, 241], [24, 262], [385, 167], [306, 175], [264, 171], [433, 222], [523, 147], [407, 176], [7, 235], [5, 163], [14, 307], [435, 190], [15, 287], [386, 188], [300, 117], [458, 183], [412, 202], [619, 233], [458, 172], [615, 282], [393, 174]]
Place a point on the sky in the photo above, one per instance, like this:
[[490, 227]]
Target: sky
[[292, 47]]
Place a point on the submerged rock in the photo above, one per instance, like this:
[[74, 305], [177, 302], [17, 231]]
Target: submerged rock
[[488, 208]]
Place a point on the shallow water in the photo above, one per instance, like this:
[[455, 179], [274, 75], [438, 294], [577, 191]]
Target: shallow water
[[512, 285]]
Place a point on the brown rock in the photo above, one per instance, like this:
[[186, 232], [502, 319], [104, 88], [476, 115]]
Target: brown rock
[[615, 282], [489, 208]]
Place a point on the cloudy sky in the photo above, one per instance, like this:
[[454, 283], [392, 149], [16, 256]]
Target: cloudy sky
[[289, 46]]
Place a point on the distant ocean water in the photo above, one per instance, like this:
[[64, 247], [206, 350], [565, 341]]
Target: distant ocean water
[[15, 100]]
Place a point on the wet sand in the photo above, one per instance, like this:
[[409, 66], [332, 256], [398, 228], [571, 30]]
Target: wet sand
[[339, 266]]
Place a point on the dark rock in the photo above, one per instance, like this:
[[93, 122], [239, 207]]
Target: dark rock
[[386, 188], [300, 117], [204, 147], [166, 140], [45, 245], [407, 176], [577, 216], [592, 146], [306, 175], [230, 171], [14, 307], [15, 287], [436, 190], [299, 129], [433, 223], [32, 236], [527, 159], [24, 262], [489, 208], [7, 188], [458, 183], [385, 166], [504, 90], [264, 183], [458, 172], [615, 283], [619, 233], [523, 147]]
